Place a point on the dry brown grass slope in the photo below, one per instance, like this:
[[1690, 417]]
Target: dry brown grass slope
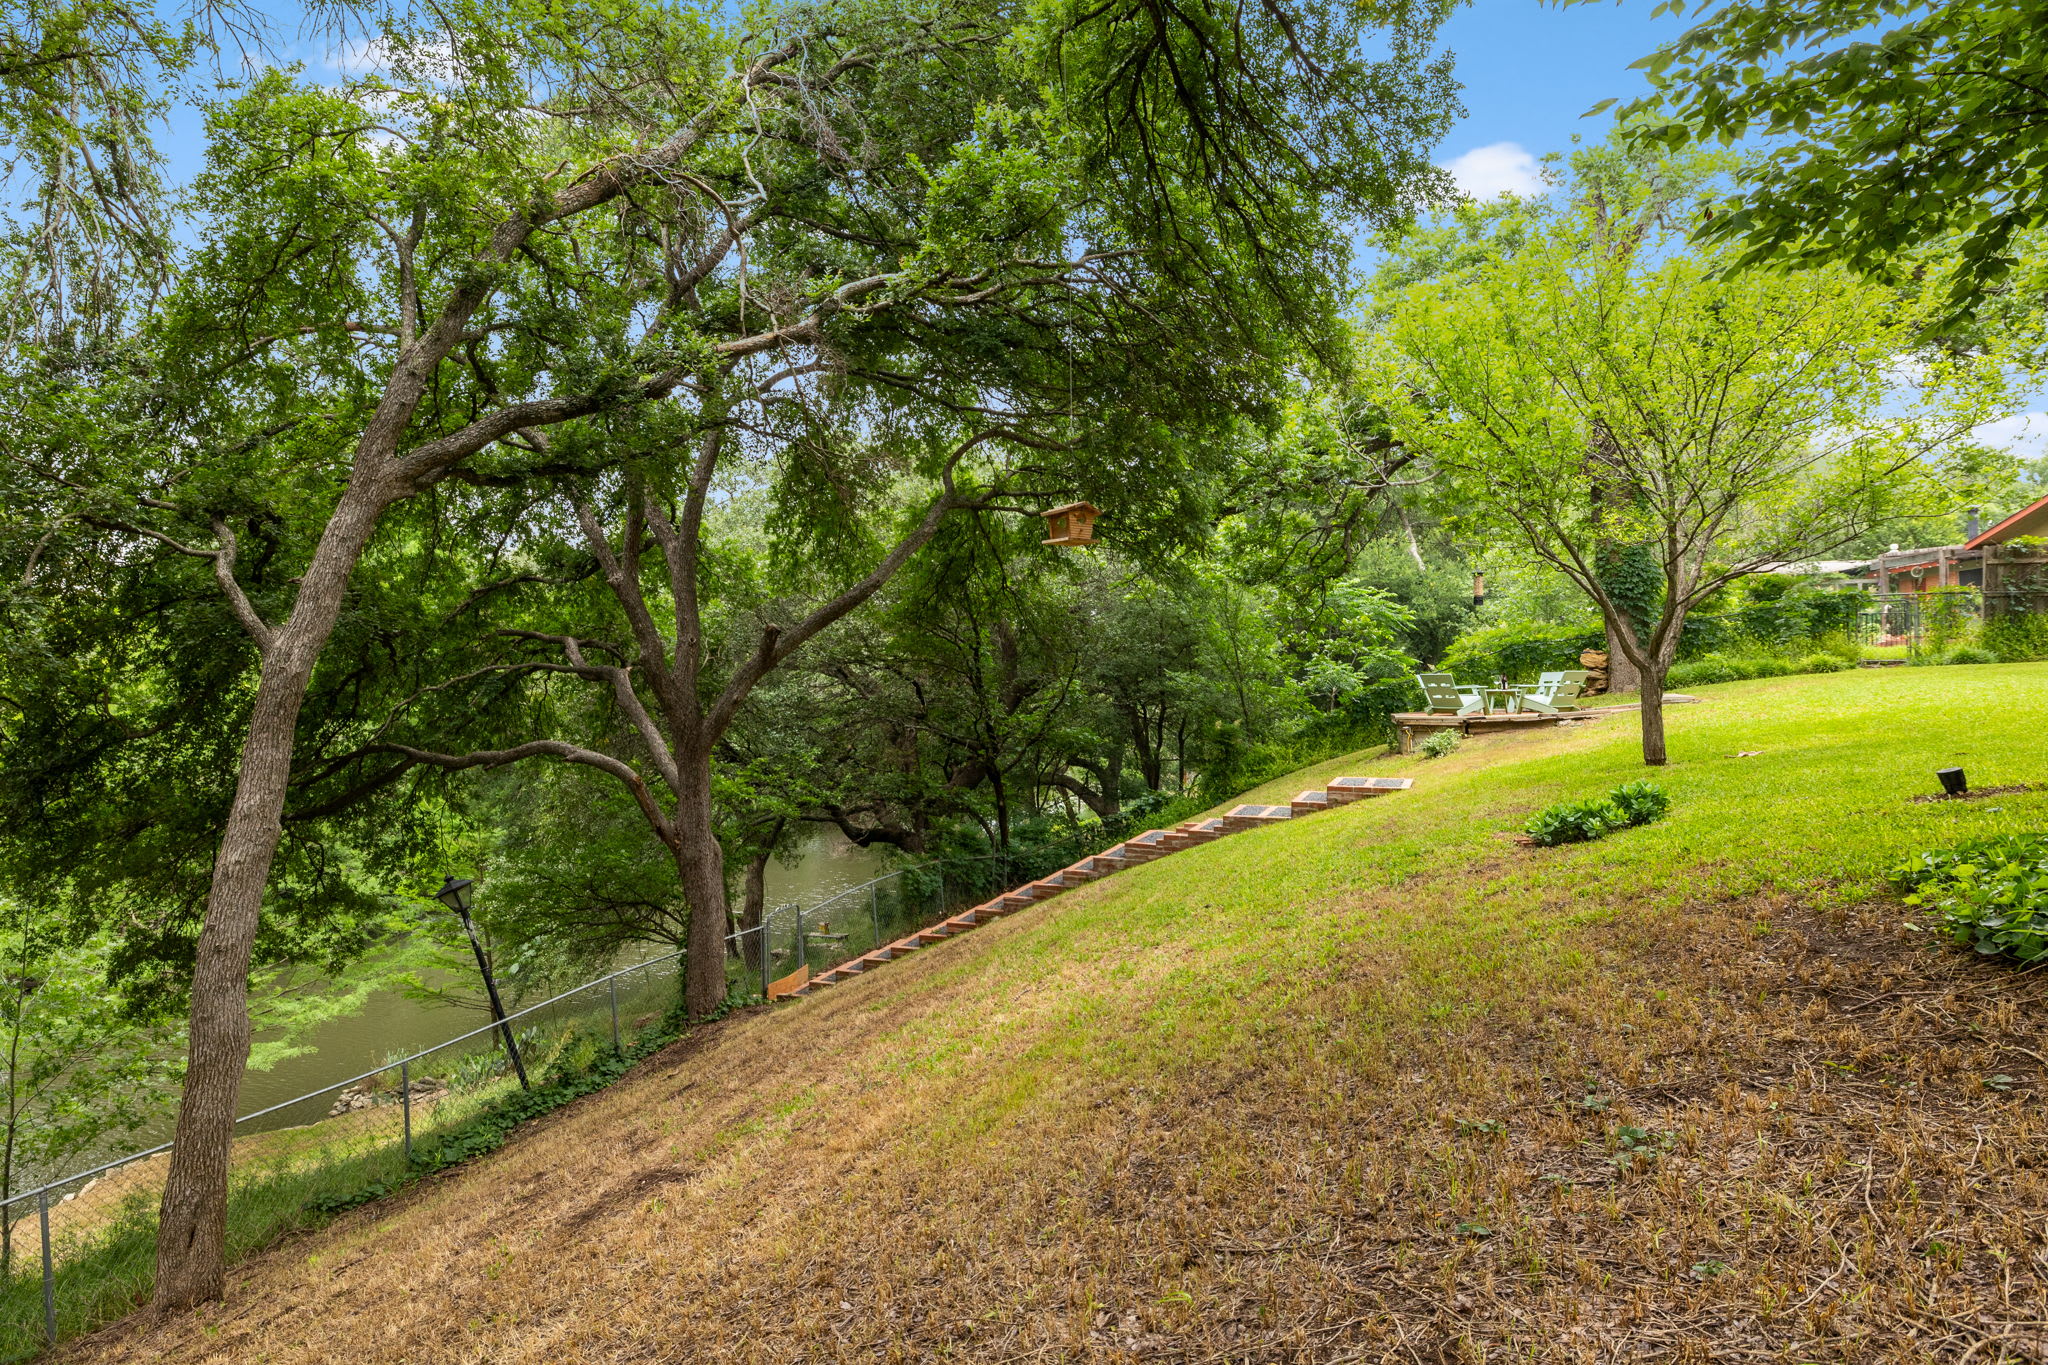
[[1374, 1085]]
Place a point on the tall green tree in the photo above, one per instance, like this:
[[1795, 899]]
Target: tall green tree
[[532, 221], [1724, 420]]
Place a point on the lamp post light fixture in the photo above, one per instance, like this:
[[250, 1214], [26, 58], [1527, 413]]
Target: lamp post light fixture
[[456, 893]]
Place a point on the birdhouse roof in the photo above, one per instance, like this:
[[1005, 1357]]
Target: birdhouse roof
[[1086, 509]]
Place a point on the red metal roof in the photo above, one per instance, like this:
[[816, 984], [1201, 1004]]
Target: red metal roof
[[2029, 520]]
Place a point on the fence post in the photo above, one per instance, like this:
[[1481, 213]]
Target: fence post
[[49, 1270], [617, 1046], [874, 908], [801, 953], [405, 1102], [767, 918]]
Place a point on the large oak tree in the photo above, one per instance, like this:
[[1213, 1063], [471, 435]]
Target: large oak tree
[[544, 219]]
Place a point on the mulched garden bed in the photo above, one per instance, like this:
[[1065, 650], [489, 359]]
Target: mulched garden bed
[[1979, 794]]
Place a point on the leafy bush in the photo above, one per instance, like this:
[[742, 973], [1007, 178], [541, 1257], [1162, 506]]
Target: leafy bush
[[1721, 668], [1702, 673], [1969, 654], [1990, 894], [1574, 822], [1440, 743], [1842, 644], [1795, 621], [2017, 637], [1639, 803], [1480, 656]]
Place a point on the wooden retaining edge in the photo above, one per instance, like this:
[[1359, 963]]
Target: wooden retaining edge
[[1153, 844]]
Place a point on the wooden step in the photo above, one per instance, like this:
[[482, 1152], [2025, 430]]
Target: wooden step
[[1251, 817], [1143, 848], [1357, 788]]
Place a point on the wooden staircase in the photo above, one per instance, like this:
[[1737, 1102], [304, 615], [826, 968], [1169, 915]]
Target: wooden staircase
[[1144, 848]]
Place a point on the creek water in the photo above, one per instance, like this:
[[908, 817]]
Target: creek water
[[391, 1024]]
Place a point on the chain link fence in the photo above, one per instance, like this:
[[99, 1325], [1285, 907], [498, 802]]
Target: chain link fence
[[80, 1250]]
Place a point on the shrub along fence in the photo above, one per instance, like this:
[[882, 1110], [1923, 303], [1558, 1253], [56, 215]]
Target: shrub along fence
[[81, 1249], [1797, 626]]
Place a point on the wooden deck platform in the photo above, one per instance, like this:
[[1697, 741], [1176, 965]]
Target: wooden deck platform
[[1410, 726]]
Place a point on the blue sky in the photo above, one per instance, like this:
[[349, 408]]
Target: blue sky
[[1530, 70]]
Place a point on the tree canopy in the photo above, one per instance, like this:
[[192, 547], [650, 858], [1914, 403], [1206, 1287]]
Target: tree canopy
[[1888, 128]]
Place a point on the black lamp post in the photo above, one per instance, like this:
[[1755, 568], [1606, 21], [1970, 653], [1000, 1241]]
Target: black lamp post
[[455, 893]]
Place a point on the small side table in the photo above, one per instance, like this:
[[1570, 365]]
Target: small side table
[[1502, 700]]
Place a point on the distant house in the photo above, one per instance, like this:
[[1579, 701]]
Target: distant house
[[2014, 577], [2031, 520], [1940, 566]]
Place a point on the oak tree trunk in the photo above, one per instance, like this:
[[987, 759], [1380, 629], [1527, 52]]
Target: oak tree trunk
[[1653, 717], [753, 900], [192, 1233], [1622, 673], [700, 866]]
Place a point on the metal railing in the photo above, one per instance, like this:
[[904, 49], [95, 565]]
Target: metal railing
[[1921, 622], [93, 1234], [299, 1158]]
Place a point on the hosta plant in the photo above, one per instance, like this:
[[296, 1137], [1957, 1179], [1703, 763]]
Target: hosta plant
[[1574, 822], [1989, 894]]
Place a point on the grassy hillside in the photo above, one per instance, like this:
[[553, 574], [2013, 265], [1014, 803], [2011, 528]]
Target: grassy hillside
[[1373, 1085]]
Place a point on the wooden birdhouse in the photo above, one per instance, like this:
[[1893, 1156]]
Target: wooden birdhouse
[[1073, 524]]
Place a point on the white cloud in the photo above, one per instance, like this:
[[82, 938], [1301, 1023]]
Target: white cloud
[[1496, 169], [2024, 434], [359, 56]]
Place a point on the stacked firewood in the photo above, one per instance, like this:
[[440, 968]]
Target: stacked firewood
[[1594, 661]]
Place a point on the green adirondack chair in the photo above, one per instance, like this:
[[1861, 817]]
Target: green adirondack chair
[[1554, 692], [1441, 696]]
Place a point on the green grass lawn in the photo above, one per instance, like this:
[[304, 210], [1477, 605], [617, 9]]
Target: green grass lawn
[[1377, 1084], [1822, 806]]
